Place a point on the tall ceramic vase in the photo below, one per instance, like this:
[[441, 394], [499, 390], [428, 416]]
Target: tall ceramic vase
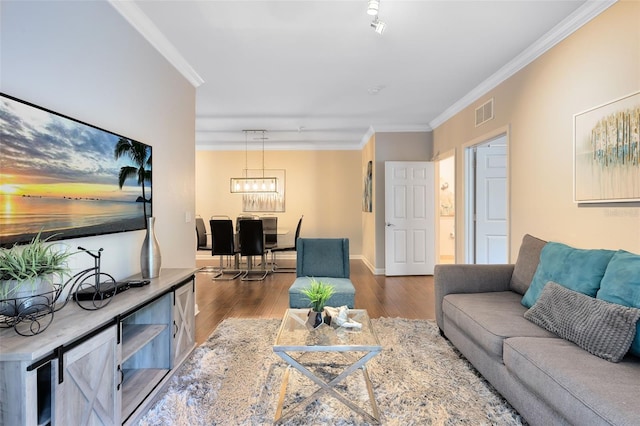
[[150, 257]]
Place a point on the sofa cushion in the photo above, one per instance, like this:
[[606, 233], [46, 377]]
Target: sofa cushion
[[578, 269], [601, 328], [621, 284], [584, 389], [489, 318], [526, 264]]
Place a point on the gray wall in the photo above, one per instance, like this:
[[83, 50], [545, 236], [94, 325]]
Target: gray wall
[[397, 146]]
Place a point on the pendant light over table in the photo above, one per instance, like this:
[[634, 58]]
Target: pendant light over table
[[254, 185]]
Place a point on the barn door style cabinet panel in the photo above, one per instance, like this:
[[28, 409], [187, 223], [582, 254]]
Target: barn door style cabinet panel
[[99, 367], [86, 390], [184, 324]]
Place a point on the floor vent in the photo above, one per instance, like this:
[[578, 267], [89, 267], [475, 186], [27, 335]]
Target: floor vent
[[484, 112]]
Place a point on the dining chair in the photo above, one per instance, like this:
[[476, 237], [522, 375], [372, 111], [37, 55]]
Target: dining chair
[[244, 217], [223, 245], [201, 235], [270, 227], [251, 236], [283, 249]]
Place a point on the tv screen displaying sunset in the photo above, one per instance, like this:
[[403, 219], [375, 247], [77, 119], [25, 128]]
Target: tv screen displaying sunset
[[67, 179]]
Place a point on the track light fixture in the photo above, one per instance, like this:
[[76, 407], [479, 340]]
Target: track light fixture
[[378, 26], [373, 7]]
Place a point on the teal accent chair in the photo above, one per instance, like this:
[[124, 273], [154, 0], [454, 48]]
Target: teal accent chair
[[327, 260]]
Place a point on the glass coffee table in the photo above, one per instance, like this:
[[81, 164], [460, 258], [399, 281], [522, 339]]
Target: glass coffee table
[[296, 338]]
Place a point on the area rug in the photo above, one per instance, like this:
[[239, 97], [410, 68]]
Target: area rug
[[419, 379]]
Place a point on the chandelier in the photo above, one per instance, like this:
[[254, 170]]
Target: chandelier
[[253, 184]]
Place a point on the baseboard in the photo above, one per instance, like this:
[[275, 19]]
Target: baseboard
[[292, 256], [370, 267]]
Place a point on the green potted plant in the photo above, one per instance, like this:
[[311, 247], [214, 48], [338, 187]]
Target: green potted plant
[[29, 270], [318, 294]]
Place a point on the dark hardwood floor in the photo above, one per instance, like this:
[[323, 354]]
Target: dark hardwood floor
[[406, 297]]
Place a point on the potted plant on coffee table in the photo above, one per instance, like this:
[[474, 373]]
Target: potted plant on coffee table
[[318, 294], [30, 275]]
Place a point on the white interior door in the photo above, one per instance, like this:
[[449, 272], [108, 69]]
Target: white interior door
[[409, 218], [491, 202]]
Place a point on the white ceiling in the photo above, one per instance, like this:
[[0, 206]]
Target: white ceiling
[[315, 75]]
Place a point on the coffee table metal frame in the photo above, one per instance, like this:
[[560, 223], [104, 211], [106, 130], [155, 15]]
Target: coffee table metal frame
[[347, 344]]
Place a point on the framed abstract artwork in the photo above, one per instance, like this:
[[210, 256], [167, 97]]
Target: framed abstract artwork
[[367, 192], [273, 202], [606, 141]]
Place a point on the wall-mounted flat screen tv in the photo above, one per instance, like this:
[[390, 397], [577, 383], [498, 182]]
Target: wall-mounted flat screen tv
[[67, 179]]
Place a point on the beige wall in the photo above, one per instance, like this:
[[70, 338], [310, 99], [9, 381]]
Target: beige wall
[[369, 218], [324, 186], [598, 63], [84, 60]]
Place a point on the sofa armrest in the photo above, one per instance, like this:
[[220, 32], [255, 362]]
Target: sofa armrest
[[469, 279]]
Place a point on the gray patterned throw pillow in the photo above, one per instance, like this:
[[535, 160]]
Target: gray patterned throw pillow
[[601, 328]]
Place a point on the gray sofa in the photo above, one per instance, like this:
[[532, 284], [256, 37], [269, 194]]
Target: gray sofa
[[547, 379]]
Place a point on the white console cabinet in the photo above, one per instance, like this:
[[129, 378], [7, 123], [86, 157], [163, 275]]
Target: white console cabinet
[[99, 367]]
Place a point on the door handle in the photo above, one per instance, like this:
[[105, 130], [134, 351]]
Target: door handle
[[389, 224]]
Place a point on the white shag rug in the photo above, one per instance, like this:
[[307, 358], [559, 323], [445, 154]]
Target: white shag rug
[[419, 379]]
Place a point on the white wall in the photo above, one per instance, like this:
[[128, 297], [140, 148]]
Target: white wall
[[82, 59]]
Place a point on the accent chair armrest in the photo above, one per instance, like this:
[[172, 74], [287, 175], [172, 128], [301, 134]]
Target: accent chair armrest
[[459, 278]]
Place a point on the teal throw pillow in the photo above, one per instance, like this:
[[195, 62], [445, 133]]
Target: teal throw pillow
[[577, 269], [621, 285]]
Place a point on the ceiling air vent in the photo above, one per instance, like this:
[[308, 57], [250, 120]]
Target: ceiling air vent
[[484, 112]]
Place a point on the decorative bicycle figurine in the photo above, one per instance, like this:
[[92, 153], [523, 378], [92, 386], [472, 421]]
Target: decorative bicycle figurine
[[90, 288], [30, 315]]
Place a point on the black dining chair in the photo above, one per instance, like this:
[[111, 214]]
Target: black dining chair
[[270, 228], [244, 217], [251, 237], [283, 249], [223, 245]]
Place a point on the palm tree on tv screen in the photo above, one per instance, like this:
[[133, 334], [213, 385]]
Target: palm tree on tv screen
[[140, 156]]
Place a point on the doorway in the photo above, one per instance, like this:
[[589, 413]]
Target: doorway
[[486, 212], [446, 232]]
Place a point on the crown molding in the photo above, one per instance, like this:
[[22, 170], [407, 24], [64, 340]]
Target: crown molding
[[141, 23], [282, 146], [392, 128], [365, 138], [569, 25]]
